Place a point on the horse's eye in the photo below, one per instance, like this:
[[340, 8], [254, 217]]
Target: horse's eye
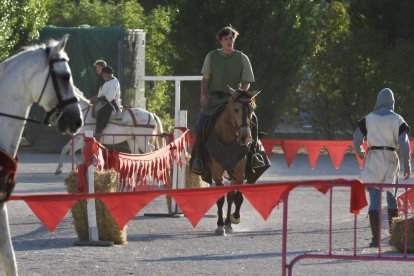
[[236, 110], [65, 76]]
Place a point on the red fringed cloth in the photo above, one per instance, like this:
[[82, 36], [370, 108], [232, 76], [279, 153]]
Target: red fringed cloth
[[89, 151], [136, 171], [8, 167]]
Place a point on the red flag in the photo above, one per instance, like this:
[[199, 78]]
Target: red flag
[[265, 197], [196, 202], [123, 207], [49, 210]]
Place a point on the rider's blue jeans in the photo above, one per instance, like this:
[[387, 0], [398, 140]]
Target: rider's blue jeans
[[374, 200]]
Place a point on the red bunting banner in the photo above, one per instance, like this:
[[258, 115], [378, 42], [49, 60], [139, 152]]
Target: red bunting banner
[[194, 203], [124, 208]]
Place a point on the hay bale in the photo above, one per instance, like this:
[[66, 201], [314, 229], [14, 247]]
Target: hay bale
[[397, 234], [107, 227]]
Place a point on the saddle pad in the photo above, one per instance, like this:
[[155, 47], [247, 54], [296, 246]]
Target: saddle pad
[[227, 155]]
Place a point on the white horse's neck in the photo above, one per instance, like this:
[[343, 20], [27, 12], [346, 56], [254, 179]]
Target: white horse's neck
[[17, 96]]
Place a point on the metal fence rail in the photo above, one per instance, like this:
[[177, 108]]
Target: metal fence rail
[[287, 267]]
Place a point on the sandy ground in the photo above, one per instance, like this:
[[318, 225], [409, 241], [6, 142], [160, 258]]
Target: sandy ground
[[171, 246]]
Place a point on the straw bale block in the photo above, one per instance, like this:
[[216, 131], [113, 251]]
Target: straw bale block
[[397, 234], [107, 227]]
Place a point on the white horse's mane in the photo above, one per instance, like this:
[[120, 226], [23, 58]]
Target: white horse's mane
[[26, 49], [80, 95]]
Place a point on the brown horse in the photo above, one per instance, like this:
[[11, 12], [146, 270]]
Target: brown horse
[[227, 146]]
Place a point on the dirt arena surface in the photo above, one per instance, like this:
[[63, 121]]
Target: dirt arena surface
[[171, 246]]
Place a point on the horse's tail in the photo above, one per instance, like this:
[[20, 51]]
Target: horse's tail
[[158, 140]]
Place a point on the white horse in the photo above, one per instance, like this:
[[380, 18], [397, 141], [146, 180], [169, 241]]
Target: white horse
[[39, 74], [141, 129]]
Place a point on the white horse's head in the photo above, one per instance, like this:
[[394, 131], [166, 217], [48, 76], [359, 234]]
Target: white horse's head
[[66, 108], [56, 95]]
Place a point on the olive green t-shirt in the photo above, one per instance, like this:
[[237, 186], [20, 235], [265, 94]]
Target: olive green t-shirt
[[224, 70]]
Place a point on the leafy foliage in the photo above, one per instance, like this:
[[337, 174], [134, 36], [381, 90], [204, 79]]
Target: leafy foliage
[[129, 14], [19, 24], [272, 34]]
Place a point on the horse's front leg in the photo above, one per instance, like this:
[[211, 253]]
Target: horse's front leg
[[220, 220], [65, 150], [238, 200], [7, 257], [238, 197], [230, 199]]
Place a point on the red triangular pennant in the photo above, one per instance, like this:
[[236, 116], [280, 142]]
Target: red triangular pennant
[[290, 148], [265, 198], [50, 211], [124, 206], [268, 145], [336, 152], [195, 204], [313, 154]]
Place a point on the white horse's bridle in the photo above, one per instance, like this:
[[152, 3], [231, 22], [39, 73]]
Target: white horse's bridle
[[55, 113]]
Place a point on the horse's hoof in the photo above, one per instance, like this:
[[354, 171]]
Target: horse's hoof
[[220, 231], [58, 171], [228, 229], [234, 220]]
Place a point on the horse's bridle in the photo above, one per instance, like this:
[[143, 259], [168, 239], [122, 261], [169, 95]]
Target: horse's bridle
[[245, 110], [55, 113]]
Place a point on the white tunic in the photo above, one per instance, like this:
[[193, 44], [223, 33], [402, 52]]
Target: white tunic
[[382, 166], [111, 90]]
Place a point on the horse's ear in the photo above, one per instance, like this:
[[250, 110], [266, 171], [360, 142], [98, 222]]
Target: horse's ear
[[253, 94], [60, 46], [231, 90], [62, 42]]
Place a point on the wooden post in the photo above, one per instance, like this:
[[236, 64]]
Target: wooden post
[[91, 210]]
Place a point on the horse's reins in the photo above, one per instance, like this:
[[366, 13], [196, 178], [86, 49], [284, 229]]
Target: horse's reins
[[53, 115]]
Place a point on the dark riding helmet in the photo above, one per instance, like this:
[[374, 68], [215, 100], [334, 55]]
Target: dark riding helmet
[[107, 70]]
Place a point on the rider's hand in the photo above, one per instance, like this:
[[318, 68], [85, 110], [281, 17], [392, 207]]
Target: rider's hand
[[407, 174], [361, 155]]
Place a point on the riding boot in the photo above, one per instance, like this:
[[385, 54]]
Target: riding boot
[[392, 213], [374, 223], [197, 166], [257, 159]]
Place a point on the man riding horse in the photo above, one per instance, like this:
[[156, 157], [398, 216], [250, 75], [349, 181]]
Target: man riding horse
[[107, 101], [222, 68]]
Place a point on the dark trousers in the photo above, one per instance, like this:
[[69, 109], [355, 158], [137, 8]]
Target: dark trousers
[[102, 117]]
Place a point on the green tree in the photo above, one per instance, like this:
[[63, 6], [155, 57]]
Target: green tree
[[20, 21], [383, 30], [129, 14], [272, 33]]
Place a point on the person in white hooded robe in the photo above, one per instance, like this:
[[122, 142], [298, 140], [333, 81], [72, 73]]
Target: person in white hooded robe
[[385, 132]]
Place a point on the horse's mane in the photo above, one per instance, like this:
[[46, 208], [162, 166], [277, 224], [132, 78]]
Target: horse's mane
[[80, 95], [30, 48]]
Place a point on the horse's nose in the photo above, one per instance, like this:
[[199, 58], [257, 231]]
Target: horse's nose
[[245, 136]]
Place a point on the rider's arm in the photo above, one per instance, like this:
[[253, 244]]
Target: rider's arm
[[405, 150], [204, 90]]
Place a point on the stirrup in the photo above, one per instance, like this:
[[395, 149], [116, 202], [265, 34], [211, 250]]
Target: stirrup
[[197, 166], [257, 161]]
